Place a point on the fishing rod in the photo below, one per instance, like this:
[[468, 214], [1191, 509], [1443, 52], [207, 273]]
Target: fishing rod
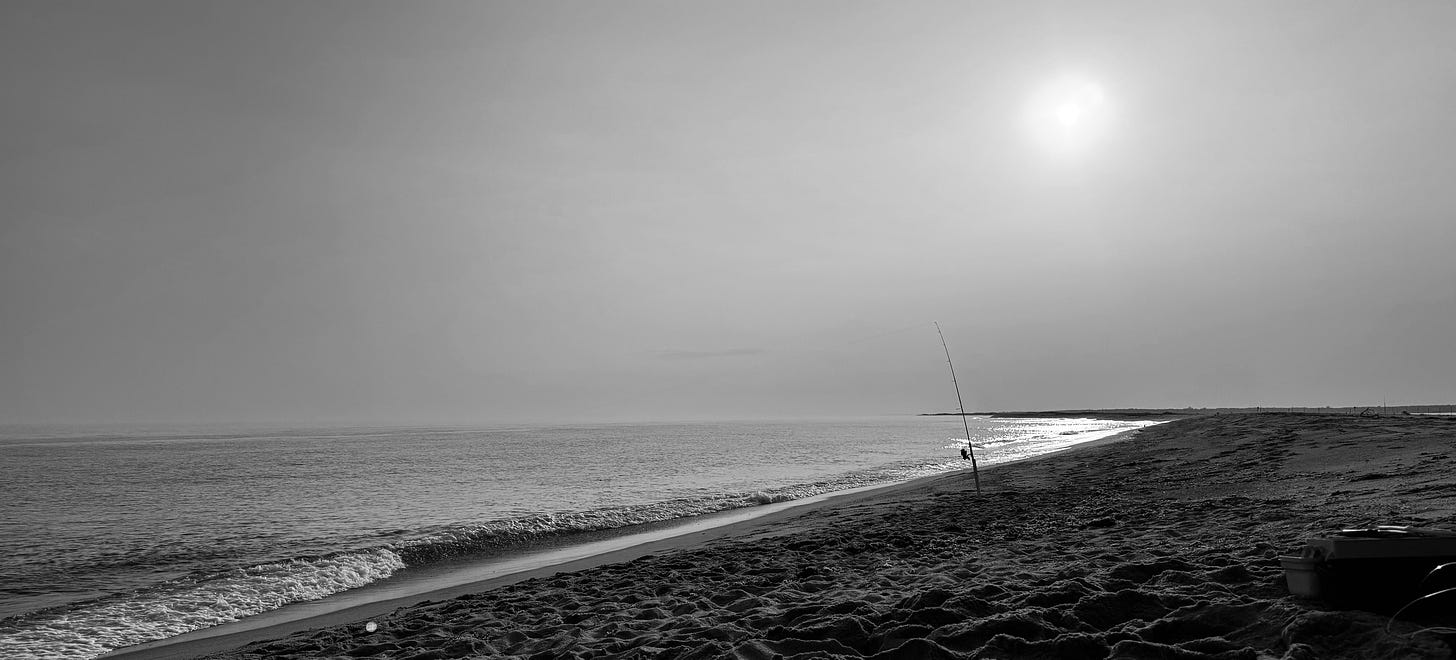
[[970, 448]]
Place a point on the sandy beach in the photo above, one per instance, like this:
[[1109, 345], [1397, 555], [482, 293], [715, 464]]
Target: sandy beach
[[1160, 544]]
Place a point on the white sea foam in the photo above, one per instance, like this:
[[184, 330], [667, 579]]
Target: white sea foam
[[175, 608], [770, 498]]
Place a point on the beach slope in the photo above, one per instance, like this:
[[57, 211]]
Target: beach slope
[[1162, 545]]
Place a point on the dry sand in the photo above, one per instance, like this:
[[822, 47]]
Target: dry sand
[[1162, 545]]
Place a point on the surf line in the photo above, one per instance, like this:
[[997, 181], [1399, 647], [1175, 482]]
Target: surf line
[[971, 448]]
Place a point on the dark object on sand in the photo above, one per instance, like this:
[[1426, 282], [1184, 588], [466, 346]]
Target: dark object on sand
[[1378, 569]]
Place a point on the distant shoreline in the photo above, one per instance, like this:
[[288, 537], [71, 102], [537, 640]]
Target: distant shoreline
[[1058, 414], [1174, 413]]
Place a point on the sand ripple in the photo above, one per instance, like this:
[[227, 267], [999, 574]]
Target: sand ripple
[[1163, 546]]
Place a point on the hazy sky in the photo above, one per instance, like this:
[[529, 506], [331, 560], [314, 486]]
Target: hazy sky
[[496, 211]]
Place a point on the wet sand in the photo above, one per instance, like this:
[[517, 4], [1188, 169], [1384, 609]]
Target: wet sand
[[1163, 544]]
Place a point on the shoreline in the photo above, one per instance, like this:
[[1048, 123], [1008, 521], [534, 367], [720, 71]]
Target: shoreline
[[1163, 543], [619, 546]]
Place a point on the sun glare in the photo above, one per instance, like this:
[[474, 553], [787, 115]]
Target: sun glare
[[1068, 115]]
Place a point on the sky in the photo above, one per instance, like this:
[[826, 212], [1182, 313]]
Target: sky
[[500, 211]]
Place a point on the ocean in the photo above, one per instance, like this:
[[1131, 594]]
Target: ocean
[[111, 537]]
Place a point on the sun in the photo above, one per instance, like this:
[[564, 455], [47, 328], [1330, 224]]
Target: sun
[[1068, 114]]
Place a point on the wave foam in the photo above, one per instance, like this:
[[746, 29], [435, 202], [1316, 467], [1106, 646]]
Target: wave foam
[[177, 607]]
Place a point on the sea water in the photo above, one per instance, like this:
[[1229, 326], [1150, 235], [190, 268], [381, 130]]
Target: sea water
[[111, 537]]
